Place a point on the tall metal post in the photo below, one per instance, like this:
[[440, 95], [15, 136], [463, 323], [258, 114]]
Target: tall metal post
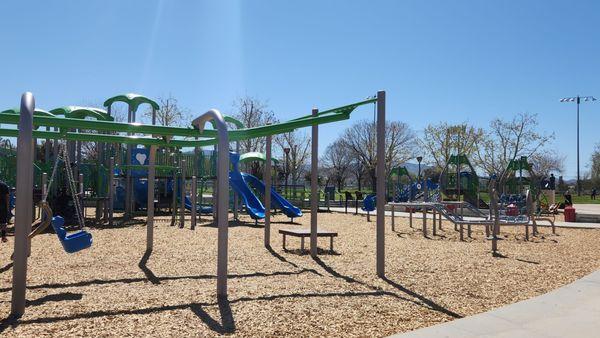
[[193, 197], [268, 184], [577, 99], [314, 192], [380, 184], [236, 198], [128, 180], [150, 205], [44, 184], [182, 195], [578, 179], [24, 210], [80, 192], [111, 189], [223, 200], [174, 197]]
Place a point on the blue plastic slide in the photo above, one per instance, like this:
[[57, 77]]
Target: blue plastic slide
[[277, 200], [254, 207], [199, 208], [188, 201]]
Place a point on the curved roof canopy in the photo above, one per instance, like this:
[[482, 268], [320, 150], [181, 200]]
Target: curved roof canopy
[[237, 123], [76, 112], [256, 156], [37, 112], [132, 100]]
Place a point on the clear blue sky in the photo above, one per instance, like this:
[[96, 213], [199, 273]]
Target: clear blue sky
[[438, 60]]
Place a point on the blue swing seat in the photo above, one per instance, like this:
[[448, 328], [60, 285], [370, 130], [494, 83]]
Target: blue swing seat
[[71, 243], [369, 203]]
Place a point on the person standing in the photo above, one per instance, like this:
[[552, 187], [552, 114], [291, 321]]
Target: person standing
[[552, 182], [4, 209], [594, 192]]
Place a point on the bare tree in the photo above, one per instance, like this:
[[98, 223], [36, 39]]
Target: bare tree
[[509, 139], [299, 151], [252, 113], [595, 165], [89, 150], [169, 113], [357, 169], [337, 160], [360, 140], [544, 162], [443, 139]]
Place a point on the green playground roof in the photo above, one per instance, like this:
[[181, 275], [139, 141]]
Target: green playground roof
[[256, 156], [158, 135], [76, 112], [37, 112], [132, 100]]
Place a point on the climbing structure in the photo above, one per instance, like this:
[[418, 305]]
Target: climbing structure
[[459, 180]]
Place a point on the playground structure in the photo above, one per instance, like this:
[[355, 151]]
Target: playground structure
[[459, 179], [75, 128], [149, 178], [453, 211]]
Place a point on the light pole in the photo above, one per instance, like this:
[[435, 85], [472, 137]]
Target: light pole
[[419, 159], [577, 99]]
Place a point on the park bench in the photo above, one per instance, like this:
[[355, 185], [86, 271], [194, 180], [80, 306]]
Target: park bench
[[305, 232]]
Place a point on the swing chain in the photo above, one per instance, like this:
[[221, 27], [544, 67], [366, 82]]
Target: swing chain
[[73, 188]]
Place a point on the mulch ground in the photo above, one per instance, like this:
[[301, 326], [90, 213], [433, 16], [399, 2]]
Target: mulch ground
[[113, 289]]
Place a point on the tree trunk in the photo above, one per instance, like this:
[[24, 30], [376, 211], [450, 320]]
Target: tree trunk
[[373, 180]]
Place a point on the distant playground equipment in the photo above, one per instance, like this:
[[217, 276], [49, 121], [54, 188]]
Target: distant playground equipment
[[492, 222], [459, 179], [519, 178], [406, 189]]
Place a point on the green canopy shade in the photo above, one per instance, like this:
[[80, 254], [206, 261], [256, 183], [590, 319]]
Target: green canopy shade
[[237, 123], [76, 112], [255, 156], [132, 100], [37, 112]]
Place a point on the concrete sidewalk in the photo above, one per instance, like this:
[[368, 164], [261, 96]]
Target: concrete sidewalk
[[419, 215], [570, 311]]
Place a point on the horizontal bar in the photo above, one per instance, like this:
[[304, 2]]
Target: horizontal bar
[[208, 135]]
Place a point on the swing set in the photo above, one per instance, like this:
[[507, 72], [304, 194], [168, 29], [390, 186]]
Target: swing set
[[71, 243]]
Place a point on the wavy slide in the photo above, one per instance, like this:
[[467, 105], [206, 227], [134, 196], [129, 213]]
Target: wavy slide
[[277, 201], [254, 207]]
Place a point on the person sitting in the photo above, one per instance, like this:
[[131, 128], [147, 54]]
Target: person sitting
[[568, 198]]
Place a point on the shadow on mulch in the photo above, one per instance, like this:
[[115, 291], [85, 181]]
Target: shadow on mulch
[[426, 301], [237, 223], [526, 261], [6, 267], [227, 324], [285, 222], [59, 297], [304, 252], [422, 300]]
